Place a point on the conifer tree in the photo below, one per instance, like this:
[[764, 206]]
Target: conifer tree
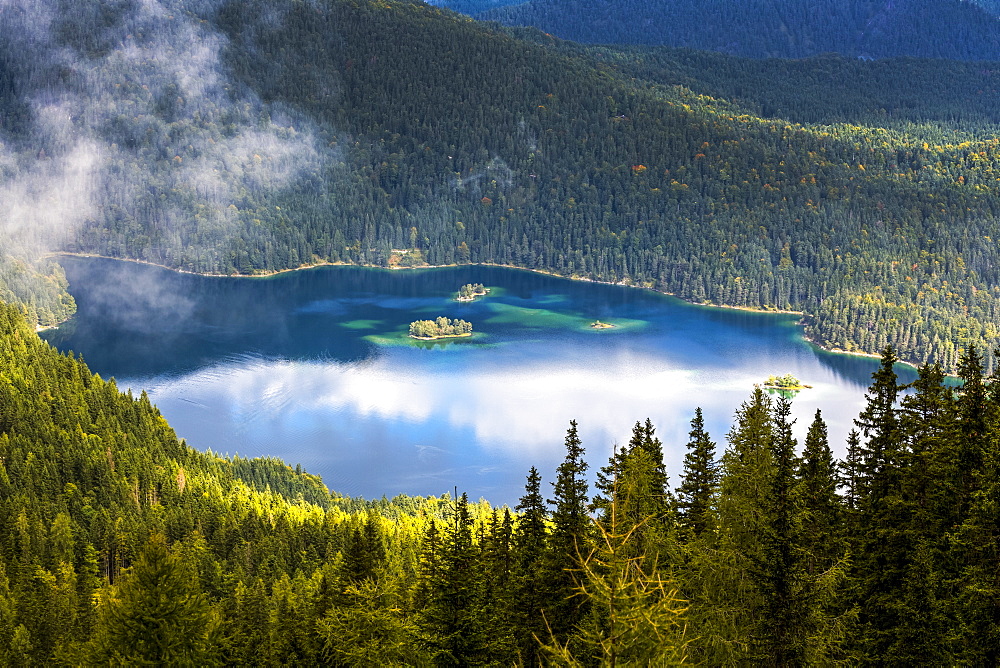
[[975, 413], [696, 494], [822, 535], [530, 540], [977, 551], [723, 582], [452, 616], [636, 614], [880, 539], [879, 424], [748, 467], [497, 586], [659, 483], [155, 616], [569, 539], [849, 475], [780, 574], [364, 552]]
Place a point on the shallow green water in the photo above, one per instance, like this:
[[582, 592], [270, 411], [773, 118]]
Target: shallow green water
[[315, 367]]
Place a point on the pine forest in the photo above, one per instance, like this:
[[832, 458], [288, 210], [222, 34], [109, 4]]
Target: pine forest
[[860, 189], [863, 194]]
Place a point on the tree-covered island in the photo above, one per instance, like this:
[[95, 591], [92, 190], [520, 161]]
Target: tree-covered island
[[471, 291], [788, 382], [439, 328]]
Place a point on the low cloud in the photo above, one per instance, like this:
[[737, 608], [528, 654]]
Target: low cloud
[[129, 114]]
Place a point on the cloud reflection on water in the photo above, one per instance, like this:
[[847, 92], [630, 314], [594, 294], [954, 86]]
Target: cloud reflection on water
[[354, 423]]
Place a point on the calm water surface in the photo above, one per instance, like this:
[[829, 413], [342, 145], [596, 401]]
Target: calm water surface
[[315, 367]]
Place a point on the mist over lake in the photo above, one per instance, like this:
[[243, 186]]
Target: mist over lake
[[315, 367]]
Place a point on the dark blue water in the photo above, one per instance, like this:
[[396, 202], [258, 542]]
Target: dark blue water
[[315, 367]]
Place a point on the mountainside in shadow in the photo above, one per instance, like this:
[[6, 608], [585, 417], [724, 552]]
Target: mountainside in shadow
[[774, 28]]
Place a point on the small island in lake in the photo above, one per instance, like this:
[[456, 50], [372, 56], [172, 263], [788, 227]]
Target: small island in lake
[[470, 291], [597, 324], [788, 383], [439, 328]]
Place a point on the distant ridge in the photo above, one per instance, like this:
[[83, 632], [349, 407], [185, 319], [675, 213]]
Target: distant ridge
[[775, 28]]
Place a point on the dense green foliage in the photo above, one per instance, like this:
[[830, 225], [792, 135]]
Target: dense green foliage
[[470, 291], [120, 544], [439, 327], [773, 28], [384, 132], [788, 381], [40, 287]]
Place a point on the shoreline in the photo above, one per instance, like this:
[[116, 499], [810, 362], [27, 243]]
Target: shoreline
[[442, 336], [628, 284]]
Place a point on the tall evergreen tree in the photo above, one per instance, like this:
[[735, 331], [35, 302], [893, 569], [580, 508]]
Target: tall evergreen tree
[[530, 545], [453, 616], [880, 539], [849, 473], [879, 424], [696, 494], [155, 616], [726, 577], [497, 587], [822, 537], [977, 551], [780, 571], [569, 540], [975, 413], [826, 613]]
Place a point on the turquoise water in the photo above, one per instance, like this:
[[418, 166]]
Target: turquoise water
[[315, 367]]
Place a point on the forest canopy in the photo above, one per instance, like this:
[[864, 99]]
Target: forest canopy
[[358, 131]]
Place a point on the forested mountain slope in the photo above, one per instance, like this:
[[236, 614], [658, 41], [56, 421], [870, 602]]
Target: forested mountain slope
[[773, 28], [471, 7], [956, 99], [241, 137], [121, 545]]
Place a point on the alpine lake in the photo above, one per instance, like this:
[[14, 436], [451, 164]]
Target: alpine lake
[[316, 367]]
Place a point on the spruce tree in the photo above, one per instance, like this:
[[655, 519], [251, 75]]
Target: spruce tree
[[156, 616], [530, 545], [849, 475], [569, 540], [452, 616], [497, 584], [927, 498], [977, 551], [780, 571], [975, 413], [822, 534], [696, 494], [723, 582], [879, 424], [880, 539]]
